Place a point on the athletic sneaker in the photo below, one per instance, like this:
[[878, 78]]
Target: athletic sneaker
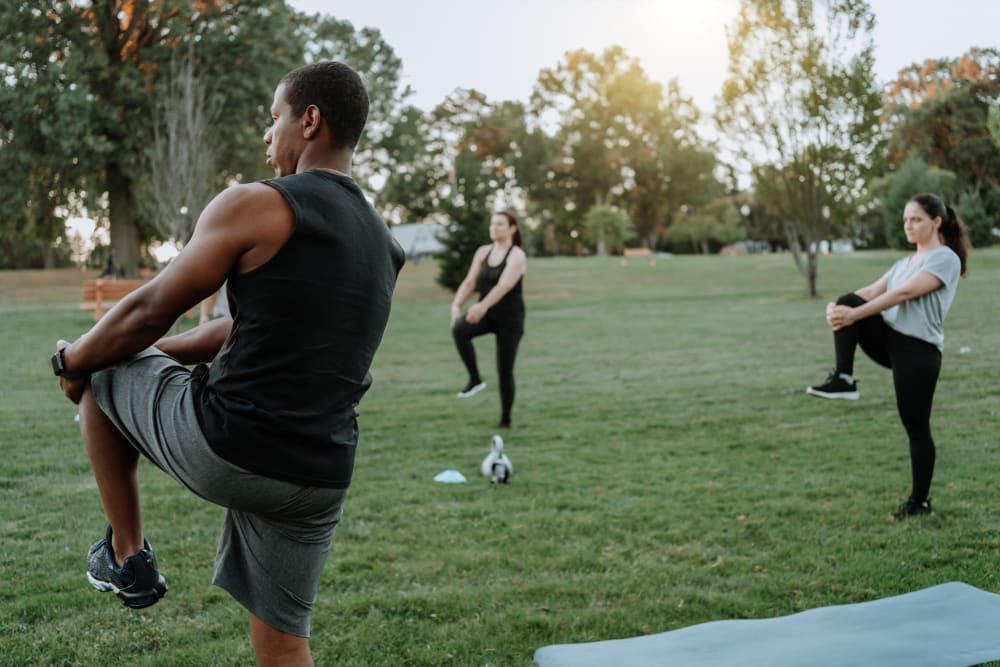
[[472, 389], [137, 583], [912, 508], [837, 385]]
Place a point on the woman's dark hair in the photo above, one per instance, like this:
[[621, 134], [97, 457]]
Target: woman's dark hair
[[338, 93], [954, 231], [512, 220]]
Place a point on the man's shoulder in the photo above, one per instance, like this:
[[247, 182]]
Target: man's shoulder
[[245, 193]]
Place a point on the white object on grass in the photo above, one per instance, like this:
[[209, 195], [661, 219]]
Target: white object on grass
[[496, 465], [449, 477]]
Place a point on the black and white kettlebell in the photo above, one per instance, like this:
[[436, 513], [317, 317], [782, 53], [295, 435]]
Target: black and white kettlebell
[[496, 465]]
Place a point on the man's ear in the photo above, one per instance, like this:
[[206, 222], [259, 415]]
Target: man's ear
[[311, 121]]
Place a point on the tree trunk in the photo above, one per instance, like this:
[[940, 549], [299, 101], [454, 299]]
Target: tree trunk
[[806, 258], [813, 271], [602, 246], [122, 213]]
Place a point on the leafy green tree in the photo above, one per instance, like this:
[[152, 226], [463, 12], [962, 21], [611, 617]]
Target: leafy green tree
[[973, 212], [113, 54], [993, 123], [615, 137], [467, 210], [45, 135], [411, 191], [708, 228], [673, 168], [943, 111], [475, 141], [800, 109], [606, 228], [386, 135]]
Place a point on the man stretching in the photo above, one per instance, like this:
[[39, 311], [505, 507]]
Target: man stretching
[[268, 430]]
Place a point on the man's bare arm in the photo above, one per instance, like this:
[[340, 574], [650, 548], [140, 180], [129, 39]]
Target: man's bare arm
[[198, 345], [243, 227]]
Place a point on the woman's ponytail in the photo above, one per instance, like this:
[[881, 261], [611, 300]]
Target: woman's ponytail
[[956, 235]]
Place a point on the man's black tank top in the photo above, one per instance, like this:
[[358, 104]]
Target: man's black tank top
[[511, 306], [279, 399]]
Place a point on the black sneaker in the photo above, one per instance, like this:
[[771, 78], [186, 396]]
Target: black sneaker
[[913, 508], [836, 386], [472, 389], [137, 583]]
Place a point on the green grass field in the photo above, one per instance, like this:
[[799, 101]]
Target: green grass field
[[669, 470]]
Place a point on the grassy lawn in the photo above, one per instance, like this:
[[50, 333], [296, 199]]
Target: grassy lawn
[[668, 470]]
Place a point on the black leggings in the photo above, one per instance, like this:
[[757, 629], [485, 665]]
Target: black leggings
[[915, 366], [508, 333]]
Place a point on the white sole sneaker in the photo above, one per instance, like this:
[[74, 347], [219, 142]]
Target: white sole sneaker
[[846, 395], [472, 391]]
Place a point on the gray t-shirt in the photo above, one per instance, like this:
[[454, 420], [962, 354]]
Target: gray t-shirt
[[922, 317]]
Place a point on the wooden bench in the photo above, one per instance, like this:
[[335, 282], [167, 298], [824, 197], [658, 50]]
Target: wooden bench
[[638, 252], [101, 294]]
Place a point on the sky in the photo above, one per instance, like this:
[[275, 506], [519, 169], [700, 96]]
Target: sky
[[499, 48]]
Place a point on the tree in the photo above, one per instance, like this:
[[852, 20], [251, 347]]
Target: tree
[[919, 82], [181, 158], [708, 228], [941, 113], [972, 210], [606, 228], [475, 142], [466, 209], [45, 120], [113, 54], [615, 137], [378, 153], [674, 168], [800, 108], [993, 123], [412, 189]]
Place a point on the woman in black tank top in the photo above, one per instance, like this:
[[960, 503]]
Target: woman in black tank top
[[496, 273]]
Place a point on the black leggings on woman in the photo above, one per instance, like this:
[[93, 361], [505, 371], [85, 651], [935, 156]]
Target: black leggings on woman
[[508, 333], [915, 366]]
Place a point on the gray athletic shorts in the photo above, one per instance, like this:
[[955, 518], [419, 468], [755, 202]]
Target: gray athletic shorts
[[276, 534]]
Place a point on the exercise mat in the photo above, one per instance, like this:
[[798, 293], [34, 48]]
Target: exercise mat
[[950, 625]]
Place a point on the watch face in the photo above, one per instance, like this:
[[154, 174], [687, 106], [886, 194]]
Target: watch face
[[57, 362]]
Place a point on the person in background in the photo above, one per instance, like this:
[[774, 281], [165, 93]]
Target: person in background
[[111, 266], [897, 321], [496, 273]]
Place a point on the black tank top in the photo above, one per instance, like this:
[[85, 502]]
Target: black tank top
[[279, 399], [511, 306]]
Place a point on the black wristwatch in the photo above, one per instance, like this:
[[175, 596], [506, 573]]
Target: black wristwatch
[[59, 367]]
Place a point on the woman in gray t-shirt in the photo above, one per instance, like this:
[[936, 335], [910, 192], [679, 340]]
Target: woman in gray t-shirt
[[897, 321]]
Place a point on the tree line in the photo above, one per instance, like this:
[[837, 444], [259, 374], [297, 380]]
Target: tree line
[[136, 112]]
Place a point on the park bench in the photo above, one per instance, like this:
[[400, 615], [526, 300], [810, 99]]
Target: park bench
[[101, 294], [637, 252], [645, 253]]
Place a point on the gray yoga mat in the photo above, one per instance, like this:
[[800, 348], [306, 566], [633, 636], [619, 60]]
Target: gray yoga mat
[[951, 625]]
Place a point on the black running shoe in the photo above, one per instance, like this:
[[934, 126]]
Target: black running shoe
[[137, 583], [836, 386], [913, 508], [472, 389]]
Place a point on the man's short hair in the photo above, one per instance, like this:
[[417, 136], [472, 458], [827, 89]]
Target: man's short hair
[[338, 92]]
